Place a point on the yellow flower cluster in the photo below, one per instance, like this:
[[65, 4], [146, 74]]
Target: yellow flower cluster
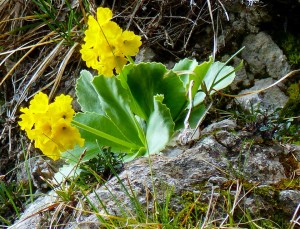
[[49, 125], [107, 45]]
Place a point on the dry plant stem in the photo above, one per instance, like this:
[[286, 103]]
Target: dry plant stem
[[292, 73], [295, 221], [61, 69], [31, 49], [209, 208], [193, 27], [39, 72], [186, 120], [213, 28], [56, 216], [133, 13], [189, 212], [237, 200]]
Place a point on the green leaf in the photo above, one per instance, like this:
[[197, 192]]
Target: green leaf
[[146, 80], [88, 98], [115, 103], [160, 127], [143, 80], [97, 130], [200, 72], [196, 115], [218, 77], [199, 98], [136, 109], [174, 93], [185, 68]]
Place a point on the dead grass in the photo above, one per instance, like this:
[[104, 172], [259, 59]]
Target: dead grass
[[172, 26]]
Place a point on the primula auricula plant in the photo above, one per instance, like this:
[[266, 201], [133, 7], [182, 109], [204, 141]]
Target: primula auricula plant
[[136, 111]]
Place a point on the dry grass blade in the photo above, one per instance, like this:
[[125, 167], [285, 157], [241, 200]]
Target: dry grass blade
[[61, 69], [32, 48], [210, 209], [290, 74], [295, 222], [38, 73]]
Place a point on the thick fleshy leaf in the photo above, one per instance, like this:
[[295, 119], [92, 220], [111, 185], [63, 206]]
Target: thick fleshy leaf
[[143, 81], [86, 94], [199, 98], [136, 109], [174, 93], [146, 80], [103, 132], [218, 77], [160, 127], [185, 69], [200, 72], [196, 115], [115, 103]]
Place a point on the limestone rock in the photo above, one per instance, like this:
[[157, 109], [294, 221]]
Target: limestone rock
[[267, 100], [213, 163], [289, 200], [263, 56]]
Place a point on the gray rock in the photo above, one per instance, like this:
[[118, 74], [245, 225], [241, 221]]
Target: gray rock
[[256, 161], [145, 55], [242, 79], [31, 217], [263, 57], [267, 100], [226, 124], [289, 200], [200, 170]]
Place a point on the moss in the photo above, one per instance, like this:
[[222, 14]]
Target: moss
[[289, 163], [291, 184], [291, 48], [270, 218], [292, 107], [193, 208]]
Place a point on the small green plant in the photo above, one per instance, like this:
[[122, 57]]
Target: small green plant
[[280, 124], [11, 196], [58, 20], [101, 165], [291, 47]]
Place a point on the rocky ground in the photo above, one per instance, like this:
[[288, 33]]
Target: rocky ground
[[233, 155]]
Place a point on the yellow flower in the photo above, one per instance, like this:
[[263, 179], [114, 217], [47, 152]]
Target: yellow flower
[[50, 124], [104, 15], [107, 45], [27, 121], [49, 148], [62, 108], [39, 103], [63, 130], [130, 43]]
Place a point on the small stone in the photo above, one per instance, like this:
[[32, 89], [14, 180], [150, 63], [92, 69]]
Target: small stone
[[145, 55], [289, 200], [269, 99], [264, 57]]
